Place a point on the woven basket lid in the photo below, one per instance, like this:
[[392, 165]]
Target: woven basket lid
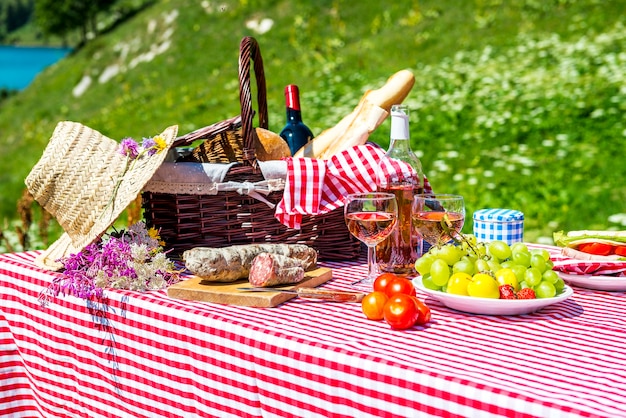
[[86, 183]]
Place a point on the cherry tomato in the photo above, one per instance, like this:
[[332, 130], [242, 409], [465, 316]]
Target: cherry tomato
[[381, 282], [596, 248], [620, 250], [373, 304], [424, 312], [401, 312], [400, 285]]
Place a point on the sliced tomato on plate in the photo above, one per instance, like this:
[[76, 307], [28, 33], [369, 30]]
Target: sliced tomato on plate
[[596, 248], [621, 250]]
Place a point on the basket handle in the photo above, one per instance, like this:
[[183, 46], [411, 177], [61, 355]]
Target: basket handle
[[249, 50]]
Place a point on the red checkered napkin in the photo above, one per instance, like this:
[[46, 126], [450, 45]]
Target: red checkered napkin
[[316, 187], [588, 267]]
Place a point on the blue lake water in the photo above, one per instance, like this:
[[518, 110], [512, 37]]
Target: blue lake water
[[20, 65]]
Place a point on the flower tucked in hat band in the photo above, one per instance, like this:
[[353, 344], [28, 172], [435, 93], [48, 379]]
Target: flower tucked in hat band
[[133, 152]]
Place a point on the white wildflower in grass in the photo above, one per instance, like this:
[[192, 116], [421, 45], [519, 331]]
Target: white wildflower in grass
[[440, 165], [618, 218]]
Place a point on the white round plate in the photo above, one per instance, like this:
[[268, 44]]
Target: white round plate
[[610, 283], [486, 306]]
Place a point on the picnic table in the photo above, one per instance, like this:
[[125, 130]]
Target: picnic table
[[148, 355]]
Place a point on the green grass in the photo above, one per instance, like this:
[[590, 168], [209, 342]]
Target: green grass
[[517, 104]]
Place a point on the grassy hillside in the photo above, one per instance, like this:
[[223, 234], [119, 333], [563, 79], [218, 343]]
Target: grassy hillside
[[517, 104]]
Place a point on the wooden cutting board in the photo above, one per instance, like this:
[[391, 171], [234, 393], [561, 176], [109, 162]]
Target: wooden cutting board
[[195, 288]]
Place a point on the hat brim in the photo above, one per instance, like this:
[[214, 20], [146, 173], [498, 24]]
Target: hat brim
[[50, 258]]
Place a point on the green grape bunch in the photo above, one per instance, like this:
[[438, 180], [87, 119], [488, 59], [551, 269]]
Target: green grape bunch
[[515, 264]]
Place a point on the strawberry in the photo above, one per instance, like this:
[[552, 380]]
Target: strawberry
[[507, 292], [526, 293]]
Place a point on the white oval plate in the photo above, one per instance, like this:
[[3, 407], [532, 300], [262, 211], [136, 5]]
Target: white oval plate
[[610, 283], [486, 306]]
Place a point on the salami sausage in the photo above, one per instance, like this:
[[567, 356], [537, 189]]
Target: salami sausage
[[274, 269], [232, 263]]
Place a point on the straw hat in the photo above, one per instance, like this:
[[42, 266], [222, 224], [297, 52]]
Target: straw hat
[[86, 183]]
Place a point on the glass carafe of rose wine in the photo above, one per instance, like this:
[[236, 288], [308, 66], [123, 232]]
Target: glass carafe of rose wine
[[400, 173]]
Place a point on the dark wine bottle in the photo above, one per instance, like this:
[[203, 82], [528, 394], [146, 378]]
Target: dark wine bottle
[[295, 132]]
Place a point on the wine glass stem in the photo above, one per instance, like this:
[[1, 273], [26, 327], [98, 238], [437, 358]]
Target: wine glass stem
[[372, 267]]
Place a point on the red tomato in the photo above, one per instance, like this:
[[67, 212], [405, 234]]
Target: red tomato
[[424, 312], [373, 304], [596, 248], [620, 250], [381, 282], [400, 285], [401, 312]]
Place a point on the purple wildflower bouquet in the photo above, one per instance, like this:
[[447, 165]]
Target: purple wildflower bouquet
[[132, 259]]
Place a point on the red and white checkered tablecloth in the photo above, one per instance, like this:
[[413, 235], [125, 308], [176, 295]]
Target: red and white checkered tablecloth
[[146, 355]]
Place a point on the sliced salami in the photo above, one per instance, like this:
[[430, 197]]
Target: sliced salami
[[232, 263], [275, 269]]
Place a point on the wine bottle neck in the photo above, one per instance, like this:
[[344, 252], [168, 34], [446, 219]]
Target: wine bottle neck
[[399, 124], [400, 144], [294, 115]]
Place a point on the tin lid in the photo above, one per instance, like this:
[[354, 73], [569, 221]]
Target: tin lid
[[498, 215]]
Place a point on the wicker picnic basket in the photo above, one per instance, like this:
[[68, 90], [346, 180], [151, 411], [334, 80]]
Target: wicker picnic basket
[[188, 220]]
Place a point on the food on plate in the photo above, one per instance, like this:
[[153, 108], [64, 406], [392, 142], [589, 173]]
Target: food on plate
[[483, 285], [394, 300], [229, 264], [355, 128], [506, 276], [592, 245], [507, 292], [526, 293], [478, 269], [458, 282], [269, 269]]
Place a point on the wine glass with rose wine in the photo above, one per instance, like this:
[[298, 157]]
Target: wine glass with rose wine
[[370, 217], [438, 217]]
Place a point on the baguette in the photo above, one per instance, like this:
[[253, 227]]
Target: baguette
[[394, 91], [355, 128], [366, 120]]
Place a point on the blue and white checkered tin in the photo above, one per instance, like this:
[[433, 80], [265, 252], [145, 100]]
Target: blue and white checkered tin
[[499, 224]]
